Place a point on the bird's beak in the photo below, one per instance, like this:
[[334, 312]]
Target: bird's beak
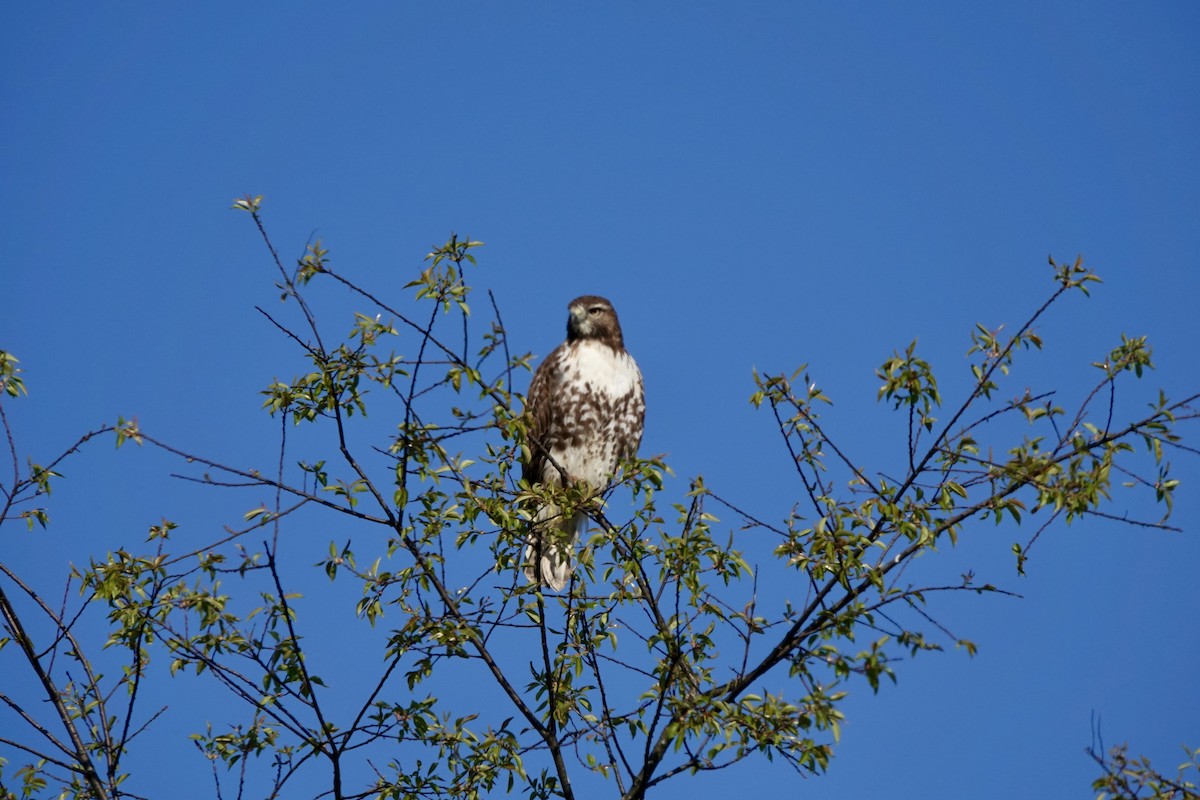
[[579, 318]]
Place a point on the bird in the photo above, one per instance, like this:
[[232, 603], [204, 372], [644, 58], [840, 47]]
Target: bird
[[586, 411]]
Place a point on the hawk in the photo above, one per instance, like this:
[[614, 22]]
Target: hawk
[[586, 407]]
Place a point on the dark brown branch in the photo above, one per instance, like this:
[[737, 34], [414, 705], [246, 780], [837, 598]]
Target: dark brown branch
[[78, 750]]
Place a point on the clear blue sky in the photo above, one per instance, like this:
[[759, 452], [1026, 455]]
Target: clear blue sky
[[752, 185]]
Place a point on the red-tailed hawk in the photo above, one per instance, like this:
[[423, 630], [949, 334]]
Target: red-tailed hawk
[[586, 406]]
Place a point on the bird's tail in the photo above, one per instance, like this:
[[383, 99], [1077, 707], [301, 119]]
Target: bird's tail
[[550, 547]]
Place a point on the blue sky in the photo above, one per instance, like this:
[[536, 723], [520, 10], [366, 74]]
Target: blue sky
[[753, 185]]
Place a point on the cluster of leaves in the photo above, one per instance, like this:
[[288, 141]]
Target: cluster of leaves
[[1126, 777], [666, 655]]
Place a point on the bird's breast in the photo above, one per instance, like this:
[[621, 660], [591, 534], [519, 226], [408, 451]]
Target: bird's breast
[[604, 369]]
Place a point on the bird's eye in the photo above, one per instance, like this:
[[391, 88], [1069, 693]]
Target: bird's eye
[[595, 310]]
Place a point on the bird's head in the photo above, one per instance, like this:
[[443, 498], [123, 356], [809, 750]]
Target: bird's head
[[593, 317]]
